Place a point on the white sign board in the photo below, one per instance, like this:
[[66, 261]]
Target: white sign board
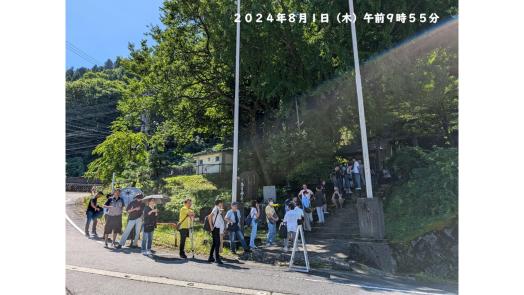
[[270, 192]]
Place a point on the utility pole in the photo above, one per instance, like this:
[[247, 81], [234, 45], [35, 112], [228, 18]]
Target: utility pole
[[360, 99], [236, 114]]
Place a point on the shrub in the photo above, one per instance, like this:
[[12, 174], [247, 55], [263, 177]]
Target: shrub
[[197, 187], [427, 195]]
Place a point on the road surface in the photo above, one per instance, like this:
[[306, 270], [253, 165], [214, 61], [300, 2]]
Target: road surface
[[93, 269]]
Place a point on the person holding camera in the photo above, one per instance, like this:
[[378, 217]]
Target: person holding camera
[[271, 218], [233, 227], [93, 212], [186, 215], [254, 214], [150, 218], [291, 221], [216, 225], [305, 196]]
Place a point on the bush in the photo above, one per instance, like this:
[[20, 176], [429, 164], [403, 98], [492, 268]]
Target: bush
[[197, 187], [428, 194]]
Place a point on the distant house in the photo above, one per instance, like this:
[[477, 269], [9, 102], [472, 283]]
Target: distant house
[[211, 162]]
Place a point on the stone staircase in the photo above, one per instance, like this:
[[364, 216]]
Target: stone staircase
[[341, 224]]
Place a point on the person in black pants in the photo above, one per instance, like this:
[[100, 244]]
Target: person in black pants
[[216, 223], [185, 217]]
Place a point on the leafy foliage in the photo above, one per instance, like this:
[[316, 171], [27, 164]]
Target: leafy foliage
[[120, 151], [429, 195], [197, 187]]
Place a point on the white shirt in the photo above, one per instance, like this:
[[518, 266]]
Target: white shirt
[[253, 213], [218, 219], [291, 219], [356, 167], [300, 211]]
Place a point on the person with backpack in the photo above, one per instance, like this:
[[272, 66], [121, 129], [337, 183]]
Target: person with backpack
[[150, 218], [185, 217], [216, 227], [233, 227], [134, 219], [291, 221], [271, 218], [320, 200], [254, 214], [114, 206], [93, 212]]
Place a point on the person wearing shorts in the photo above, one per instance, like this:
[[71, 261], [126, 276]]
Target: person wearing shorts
[[114, 206]]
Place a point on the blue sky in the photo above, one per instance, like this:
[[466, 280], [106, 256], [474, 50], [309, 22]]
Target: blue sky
[[103, 28]]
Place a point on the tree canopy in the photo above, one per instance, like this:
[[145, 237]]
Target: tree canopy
[[175, 95]]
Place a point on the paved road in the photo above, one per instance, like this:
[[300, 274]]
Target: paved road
[[92, 269]]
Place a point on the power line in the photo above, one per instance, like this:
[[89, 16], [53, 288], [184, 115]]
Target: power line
[[81, 147], [91, 115], [88, 129], [82, 53]]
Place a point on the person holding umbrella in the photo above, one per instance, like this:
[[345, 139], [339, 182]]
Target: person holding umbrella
[[134, 219]]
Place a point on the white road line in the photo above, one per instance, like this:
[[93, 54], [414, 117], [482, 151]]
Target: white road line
[[76, 227], [172, 282], [307, 279]]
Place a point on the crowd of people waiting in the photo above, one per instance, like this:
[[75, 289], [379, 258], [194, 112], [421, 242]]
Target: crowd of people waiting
[[143, 214]]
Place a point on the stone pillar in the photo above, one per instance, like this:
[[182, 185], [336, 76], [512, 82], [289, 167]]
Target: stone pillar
[[371, 218]]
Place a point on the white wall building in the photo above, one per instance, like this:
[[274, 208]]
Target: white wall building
[[210, 162]]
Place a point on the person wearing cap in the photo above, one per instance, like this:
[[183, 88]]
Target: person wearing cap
[[291, 220], [93, 212], [134, 219], [235, 230], [216, 224], [271, 218], [114, 206]]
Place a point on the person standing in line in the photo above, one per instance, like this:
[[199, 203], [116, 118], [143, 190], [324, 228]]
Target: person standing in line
[[272, 218], [185, 216], [291, 221], [305, 198], [114, 206], [135, 209], [320, 200], [304, 190], [338, 177], [323, 187], [347, 180], [216, 224], [355, 171], [361, 172], [254, 214], [93, 212], [337, 198], [150, 217], [234, 229]]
